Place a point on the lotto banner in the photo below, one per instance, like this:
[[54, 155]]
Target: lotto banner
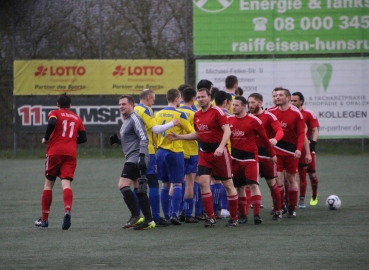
[[96, 77], [337, 90], [232, 27]]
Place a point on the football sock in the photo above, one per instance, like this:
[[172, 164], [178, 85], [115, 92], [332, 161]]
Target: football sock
[[256, 201], [286, 187], [176, 200], [170, 206], [165, 201], [207, 201], [198, 201], [314, 186], [242, 205], [181, 206], [276, 197], [248, 199], [46, 199], [154, 195], [130, 200], [215, 190], [144, 203], [188, 207], [137, 204], [293, 195], [223, 198], [281, 193], [68, 199], [233, 205], [303, 182]]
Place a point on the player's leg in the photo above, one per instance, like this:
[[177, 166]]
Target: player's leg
[[303, 184], [190, 175], [293, 190], [313, 180], [251, 173], [281, 163], [216, 188], [165, 187], [175, 162]]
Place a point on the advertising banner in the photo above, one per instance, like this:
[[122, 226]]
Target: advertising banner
[[232, 27], [337, 90], [96, 77]]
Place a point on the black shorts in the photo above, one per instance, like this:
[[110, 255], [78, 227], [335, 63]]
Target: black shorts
[[130, 171]]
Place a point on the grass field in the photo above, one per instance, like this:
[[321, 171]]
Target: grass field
[[317, 239]]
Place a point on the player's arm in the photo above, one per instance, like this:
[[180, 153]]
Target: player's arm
[[187, 137], [307, 149], [140, 130], [161, 128], [260, 130], [314, 138], [51, 124], [278, 131], [82, 138], [226, 135]]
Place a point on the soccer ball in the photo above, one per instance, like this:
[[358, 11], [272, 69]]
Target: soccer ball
[[333, 202]]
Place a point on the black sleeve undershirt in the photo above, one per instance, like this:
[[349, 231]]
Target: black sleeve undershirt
[[50, 128]]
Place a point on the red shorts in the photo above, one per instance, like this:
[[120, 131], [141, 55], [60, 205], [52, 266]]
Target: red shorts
[[302, 163], [220, 167], [267, 169], [60, 165], [288, 163], [245, 171]]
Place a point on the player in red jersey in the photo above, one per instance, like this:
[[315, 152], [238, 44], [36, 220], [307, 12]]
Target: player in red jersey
[[213, 132], [312, 134], [246, 130], [289, 148], [274, 131], [64, 131]]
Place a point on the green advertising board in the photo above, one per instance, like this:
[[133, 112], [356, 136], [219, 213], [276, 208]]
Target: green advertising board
[[233, 27]]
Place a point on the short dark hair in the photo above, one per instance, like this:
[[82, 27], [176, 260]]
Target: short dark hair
[[172, 94], [64, 101], [286, 91], [188, 94], [229, 97], [239, 91], [183, 87], [256, 96], [242, 99], [300, 95], [204, 89], [278, 88], [130, 99], [145, 93], [220, 97], [204, 84], [230, 81], [213, 92]]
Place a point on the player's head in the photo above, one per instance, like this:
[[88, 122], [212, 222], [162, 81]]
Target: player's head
[[239, 105], [64, 101], [231, 82], [283, 97], [274, 93], [173, 96], [126, 105], [213, 93], [147, 97], [220, 99], [239, 91], [205, 84], [189, 95], [229, 101], [183, 87], [255, 101], [203, 97], [297, 99]]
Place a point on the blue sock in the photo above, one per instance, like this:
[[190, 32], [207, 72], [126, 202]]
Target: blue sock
[[216, 189], [198, 201], [188, 207], [138, 205], [154, 196], [170, 206], [181, 207], [165, 201], [223, 197], [176, 200]]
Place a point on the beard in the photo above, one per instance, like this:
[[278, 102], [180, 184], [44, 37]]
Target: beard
[[255, 109]]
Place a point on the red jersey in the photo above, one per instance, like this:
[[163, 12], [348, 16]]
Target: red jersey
[[63, 139], [293, 126], [209, 127], [311, 120], [244, 135]]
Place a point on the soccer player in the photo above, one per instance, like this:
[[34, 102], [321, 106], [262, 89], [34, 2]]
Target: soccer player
[[246, 129], [274, 132], [213, 132], [231, 84], [190, 156], [312, 134], [64, 131], [170, 157], [289, 148], [181, 88], [147, 99], [134, 141]]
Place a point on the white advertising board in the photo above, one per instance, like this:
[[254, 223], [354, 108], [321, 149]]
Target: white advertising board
[[337, 90]]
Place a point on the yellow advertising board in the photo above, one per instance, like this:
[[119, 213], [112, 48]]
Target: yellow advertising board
[[96, 77]]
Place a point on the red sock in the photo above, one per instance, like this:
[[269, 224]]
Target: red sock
[[46, 199], [207, 201], [314, 186], [232, 205], [303, 182], [293, 195], [256, 201], [68, 199], [248, 199], [281, 193], [286, 187], [242, 203], [276, 197]]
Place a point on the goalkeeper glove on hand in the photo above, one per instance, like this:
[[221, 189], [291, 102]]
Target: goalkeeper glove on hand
[[141, 164], [114, 139]]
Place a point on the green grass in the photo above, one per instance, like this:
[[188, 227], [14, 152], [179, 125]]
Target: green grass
[[317, 239]]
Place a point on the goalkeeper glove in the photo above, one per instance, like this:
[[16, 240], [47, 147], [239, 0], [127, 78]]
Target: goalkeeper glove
[[141, 164], [114, 139]]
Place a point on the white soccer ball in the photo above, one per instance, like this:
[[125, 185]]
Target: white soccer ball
[[333, 202]]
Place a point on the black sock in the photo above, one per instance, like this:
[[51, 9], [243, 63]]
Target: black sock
[[130, 200], [144, 203]]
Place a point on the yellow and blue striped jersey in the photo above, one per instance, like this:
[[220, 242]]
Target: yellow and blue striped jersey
[[166, 115], [190, 147], [230, 108], [147, 116]]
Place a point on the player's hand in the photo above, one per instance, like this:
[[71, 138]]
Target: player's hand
[[176, 122], [219, 151], [44, 141], [312, 146], [273, 159], [297, 154], [273, 141], [308, 159], [173, 136], [141, 164], [114, 139]]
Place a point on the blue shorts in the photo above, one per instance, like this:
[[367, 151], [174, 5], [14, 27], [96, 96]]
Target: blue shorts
[[152, 164], [170, 166], [191, 164]]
